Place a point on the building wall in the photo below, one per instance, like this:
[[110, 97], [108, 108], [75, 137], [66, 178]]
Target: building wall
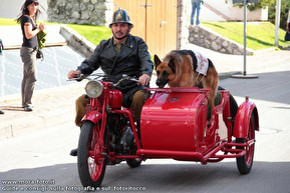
[[155, 21], [257, 15], [219, 10]]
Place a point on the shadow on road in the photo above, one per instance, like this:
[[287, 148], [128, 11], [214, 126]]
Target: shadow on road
[[12, 108], [272, 86], [186, 177]]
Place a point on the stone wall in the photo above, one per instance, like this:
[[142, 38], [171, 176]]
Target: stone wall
[[208, 39], [96, 12]]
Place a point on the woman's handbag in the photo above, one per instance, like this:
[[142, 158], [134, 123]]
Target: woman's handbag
[[39, 54]]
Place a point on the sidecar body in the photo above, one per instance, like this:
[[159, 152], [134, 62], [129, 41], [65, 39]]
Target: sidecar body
[[175, 124]]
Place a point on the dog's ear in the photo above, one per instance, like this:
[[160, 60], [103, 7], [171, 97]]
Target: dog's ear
[[172, 65], [157, 61]]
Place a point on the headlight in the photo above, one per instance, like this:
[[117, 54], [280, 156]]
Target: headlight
[[94, 88]]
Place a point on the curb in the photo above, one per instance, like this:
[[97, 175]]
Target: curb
[[30, 123], [286, 47], [51, 107]]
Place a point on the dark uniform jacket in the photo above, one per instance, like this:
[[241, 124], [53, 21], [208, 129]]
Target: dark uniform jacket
[[133, 60]]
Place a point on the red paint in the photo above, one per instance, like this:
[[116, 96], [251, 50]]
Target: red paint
[[242, 121], [174, 125]]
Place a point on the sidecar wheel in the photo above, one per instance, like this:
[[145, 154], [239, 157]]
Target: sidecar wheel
[[91, 162], [134, 163], [233, 109], [245, 162]]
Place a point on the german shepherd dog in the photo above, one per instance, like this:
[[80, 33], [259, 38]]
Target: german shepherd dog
[[185, 68]]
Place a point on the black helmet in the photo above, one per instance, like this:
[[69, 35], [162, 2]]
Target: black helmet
[[120, 16]]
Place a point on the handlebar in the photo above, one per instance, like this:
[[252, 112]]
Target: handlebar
[[98, 75], [125, 77], [86, 76]]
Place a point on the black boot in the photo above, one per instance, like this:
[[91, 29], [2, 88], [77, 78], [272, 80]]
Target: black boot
[[74, 152], [1, 112], [127, 138]]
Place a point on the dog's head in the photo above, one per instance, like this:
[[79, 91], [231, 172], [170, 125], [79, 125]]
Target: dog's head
[[165, 71]]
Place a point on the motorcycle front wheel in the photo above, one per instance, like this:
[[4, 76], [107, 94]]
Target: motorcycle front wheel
[[91, 156]]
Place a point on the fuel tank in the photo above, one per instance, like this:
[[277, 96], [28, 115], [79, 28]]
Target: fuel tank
[[174, 119], [116, 99]]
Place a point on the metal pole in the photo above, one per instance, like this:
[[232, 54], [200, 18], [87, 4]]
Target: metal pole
[[277, 22], [245, 37], [244, 73]]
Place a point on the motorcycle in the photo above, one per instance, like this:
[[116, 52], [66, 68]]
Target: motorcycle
[[174, 124]]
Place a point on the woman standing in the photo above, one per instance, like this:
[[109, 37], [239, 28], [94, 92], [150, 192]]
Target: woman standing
[[27, 20]]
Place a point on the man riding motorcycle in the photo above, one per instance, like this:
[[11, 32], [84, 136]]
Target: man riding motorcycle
[[121, 54]]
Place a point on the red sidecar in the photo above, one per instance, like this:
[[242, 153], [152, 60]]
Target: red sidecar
[[175, 123]]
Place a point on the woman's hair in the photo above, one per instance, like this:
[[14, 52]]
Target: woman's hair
[[25, 11]]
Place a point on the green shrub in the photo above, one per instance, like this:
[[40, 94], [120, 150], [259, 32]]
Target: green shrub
[[285, 6], [261, 4], [254, 6]]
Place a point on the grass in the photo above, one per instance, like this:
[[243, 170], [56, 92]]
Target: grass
[[92, 33], [4, 21], [260, 35]]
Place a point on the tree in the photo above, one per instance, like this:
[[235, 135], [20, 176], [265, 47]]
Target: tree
[[285, 6], [261, 4]]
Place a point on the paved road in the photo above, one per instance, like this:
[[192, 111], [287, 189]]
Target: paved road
[[45, 157], [51, 72]]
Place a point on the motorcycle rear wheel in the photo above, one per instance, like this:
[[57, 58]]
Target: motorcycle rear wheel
[[134, 163], [91, 164]]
